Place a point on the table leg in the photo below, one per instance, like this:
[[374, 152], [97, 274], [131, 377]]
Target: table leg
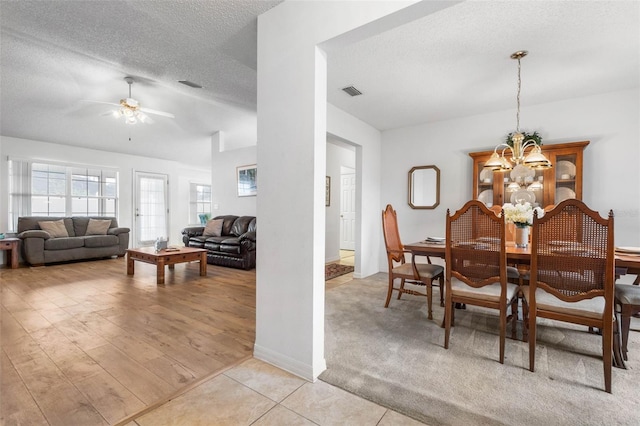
[[14, 257], [203, 264], [160, 272], [130, 267]]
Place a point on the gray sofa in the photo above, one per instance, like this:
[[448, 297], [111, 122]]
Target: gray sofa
[[39, 247]]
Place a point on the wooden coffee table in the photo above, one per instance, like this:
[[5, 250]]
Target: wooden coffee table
[[166, 258]]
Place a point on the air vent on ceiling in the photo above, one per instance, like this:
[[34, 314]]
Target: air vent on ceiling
[[190, 84], [352, 91]]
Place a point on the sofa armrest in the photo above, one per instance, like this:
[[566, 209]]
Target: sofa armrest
[[34, 233], [248, 241], [193, 231], [117, 231], [250, 236]]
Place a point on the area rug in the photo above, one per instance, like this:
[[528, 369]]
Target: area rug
[[395, 357], [332, 270]]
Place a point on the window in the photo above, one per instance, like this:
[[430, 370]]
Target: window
[[50, 189], [199, 202]]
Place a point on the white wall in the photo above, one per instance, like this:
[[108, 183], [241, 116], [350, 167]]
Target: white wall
[[180, 176], [292, 127], [611, 172], [224, 186], [367, 141], [338, 156]]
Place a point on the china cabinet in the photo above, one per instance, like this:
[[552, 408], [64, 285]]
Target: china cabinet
[[541, 187]]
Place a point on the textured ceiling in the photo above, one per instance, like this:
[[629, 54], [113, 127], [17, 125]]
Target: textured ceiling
[[457, 62], [57, 54]]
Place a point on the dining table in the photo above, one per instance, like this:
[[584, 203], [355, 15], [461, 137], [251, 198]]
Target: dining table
[[625, 263]]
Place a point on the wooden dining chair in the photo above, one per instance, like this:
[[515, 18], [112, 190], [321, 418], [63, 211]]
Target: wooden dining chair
[[422, 274], [476, 265], [573, 280]]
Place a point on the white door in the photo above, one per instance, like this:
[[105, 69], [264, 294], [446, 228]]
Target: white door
[[348, 211], [150, 208]]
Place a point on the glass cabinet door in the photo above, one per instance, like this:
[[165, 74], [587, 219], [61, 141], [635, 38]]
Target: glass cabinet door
[[565, 175], [542, 188]]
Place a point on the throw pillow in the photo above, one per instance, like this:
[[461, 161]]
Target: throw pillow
[[213, 228], [98, 227], [55, 228]]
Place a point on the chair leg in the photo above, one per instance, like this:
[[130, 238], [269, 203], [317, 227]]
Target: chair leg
[[532, 340], [448, 308], [441, 280], [429, 300], [625, 322], [503, 329], [514, 317], [607, 351], [617, 345], [386, 304], [401, 288], [525, 320]]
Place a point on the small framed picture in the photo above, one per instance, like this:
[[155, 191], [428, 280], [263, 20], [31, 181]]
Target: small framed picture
[[327, 192], [247, 180]]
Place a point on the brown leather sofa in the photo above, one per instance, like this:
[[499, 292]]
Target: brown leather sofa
[[235, 247]]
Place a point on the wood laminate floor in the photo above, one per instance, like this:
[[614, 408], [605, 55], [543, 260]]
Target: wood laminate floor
[[85, 344]]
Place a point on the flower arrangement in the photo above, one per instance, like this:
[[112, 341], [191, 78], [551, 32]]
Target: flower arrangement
[[521, 214]]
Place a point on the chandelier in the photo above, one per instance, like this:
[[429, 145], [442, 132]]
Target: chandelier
[[534, 159]]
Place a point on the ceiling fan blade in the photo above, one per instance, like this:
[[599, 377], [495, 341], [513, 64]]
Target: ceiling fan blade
[[153, 111], [99, 102], [144, 118]]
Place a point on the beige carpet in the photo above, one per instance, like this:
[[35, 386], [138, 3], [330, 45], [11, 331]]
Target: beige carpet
[[395, 357]]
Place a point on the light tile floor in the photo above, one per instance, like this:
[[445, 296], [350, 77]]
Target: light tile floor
[[257, 393]]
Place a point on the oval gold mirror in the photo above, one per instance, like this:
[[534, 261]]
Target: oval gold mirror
[[424, 187]]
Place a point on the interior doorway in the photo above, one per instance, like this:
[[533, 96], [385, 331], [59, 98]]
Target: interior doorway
[[347, 209], [341, 220]]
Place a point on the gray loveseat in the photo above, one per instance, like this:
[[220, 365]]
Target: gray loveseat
[[39, 247]]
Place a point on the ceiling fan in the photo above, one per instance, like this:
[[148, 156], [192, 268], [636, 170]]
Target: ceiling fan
[[130, 110]]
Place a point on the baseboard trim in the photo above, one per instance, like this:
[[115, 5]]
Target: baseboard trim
[[286, 363]]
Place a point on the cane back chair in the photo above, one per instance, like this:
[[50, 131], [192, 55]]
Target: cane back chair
[[572, 276], [476, 265], [423, 274]]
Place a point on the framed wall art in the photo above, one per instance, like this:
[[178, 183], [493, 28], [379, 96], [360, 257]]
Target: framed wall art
[[247, 180], [327, 191]]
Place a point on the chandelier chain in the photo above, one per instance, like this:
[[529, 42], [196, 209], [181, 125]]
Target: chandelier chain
[[518, 100]]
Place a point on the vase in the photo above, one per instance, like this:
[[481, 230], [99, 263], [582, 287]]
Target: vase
[[522, 236]]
